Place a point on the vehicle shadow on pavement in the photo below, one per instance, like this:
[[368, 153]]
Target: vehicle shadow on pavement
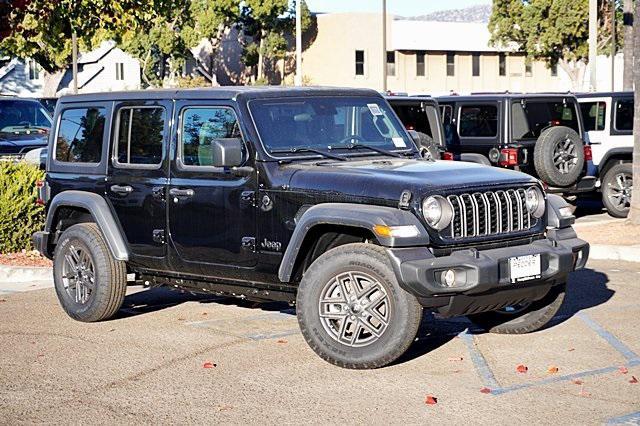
[[589, 205], [586, 288]]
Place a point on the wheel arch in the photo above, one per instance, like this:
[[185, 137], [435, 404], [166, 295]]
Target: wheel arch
[[80, 207], [614, 156], [325, 226]]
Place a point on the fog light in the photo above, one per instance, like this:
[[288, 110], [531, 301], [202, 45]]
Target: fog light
[[449, 277]]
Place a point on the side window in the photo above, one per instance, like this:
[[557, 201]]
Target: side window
[[446, 112], [139, 136], [201, 126], [79, 137], [479, 121], [624, 115], [593, 115]]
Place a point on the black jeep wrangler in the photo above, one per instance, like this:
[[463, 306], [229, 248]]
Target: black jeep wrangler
[[538, 134], [314, 196]]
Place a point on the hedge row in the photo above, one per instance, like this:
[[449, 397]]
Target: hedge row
[[19, 215]]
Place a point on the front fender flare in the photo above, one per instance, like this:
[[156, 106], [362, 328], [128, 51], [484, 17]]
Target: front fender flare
[[101, 213], [354, 215]]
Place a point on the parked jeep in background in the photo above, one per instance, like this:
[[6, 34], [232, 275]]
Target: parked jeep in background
[[421, 116], [538, 134], [314, 196], [24, 126], [608, 119]]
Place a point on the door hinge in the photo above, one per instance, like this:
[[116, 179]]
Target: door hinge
[[159, 193], [249, 243], [158, 236], [247, 198]]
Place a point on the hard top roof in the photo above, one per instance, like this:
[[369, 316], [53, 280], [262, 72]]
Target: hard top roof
[[502, 95], [420, 98], [603, 94], [220, 93]]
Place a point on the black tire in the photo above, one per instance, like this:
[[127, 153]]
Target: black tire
[[109, 283], [549, 151], [529, 319], [617, 199], [403, 312]]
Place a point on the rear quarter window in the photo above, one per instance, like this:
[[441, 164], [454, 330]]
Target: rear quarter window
[[624, 115], [479, 121], [80, 135]]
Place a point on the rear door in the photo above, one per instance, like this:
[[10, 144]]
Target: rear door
[[138, 177], [595, 119], [212, 220]]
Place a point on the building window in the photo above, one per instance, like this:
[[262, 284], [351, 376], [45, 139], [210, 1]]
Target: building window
[[528, 67], [421, 64], [34, 70], [359, 62], [554, 70], [502, 64], [119, 71], [475, 65], [391, 63], [451, 64]]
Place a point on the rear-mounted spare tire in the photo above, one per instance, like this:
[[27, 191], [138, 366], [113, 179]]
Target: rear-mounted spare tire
[[559, 156]]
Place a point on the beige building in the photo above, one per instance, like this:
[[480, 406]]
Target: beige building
[[422, 57]]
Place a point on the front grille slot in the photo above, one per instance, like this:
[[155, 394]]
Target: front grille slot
[[489, 213]]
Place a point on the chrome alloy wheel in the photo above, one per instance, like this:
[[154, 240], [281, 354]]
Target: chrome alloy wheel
[[78, 274], [355, 309], [619, 191], [564, 156]]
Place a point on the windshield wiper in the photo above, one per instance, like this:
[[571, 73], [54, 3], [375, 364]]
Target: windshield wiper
[[372, 148], [295, 150]]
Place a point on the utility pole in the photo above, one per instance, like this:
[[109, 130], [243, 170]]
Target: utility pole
[[593, 43], [74, 58], [613, 45], [384, 45], [298, 76]]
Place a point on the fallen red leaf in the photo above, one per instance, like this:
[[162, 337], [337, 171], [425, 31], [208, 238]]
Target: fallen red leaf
[[282, 341], [485, 390], [456, 358], [623, 370], [572, 349], [431, 400], [552, 370], [578, 382], [3, 300], [209, 365], [633, 379], [204, 314], [522, 368]]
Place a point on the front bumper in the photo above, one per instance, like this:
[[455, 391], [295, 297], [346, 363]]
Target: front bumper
[[483, 280]]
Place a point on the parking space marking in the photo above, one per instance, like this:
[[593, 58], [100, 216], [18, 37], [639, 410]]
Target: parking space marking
[[479, 362], [627, 419], [608, 337]]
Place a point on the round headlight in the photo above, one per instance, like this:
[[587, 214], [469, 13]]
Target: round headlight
[[535, 202], [437, 212]]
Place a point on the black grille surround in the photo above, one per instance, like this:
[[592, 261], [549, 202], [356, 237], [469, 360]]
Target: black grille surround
[[489, 215]]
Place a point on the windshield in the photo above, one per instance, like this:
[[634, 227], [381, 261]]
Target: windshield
[[530, 118], [327, 123], [18, 116]]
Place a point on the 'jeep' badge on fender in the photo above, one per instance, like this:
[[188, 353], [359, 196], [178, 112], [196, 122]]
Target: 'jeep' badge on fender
[[271, 245]]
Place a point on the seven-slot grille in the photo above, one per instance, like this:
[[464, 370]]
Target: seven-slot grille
[[489, 213]]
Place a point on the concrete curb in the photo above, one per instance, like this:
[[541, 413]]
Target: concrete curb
[[609, 252], [20, 274]]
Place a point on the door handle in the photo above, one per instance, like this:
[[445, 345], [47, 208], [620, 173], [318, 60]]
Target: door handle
[[175, 192], [121, 189]]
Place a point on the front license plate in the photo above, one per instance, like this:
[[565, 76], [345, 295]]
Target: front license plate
[[523, 268]]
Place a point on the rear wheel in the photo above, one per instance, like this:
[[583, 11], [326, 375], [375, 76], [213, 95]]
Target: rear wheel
[[522, 318], [89, 282], [617, 186], [351, 310], [559, 156]]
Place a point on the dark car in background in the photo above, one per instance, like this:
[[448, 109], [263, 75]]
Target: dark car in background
[[539, 134], [24, 126]]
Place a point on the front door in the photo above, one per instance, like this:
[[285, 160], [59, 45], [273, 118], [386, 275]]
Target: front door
[[138, 177], [211, 216]]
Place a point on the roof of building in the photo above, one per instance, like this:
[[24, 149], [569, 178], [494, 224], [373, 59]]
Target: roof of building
[[96, 54], [223, 92], [442, 36]]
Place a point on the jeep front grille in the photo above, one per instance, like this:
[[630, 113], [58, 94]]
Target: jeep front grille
[[489, 213]]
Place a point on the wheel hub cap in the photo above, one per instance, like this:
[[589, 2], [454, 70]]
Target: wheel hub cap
[[354, 309], [620, 190], [564, 156], [78, 274]]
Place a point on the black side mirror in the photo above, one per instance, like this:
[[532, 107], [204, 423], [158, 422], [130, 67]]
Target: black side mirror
[[226, 152]]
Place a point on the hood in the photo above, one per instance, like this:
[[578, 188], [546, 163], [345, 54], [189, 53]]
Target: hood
[[386, 178], [14, 143]]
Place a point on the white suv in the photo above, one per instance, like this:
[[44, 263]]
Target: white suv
[[608, 119]]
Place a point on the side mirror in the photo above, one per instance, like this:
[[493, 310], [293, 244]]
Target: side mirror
[[226, 152]]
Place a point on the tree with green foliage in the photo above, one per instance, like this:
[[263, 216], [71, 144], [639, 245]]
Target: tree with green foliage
[[556, 31]]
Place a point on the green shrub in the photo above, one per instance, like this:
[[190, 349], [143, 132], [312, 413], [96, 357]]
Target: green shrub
[[19, 215]]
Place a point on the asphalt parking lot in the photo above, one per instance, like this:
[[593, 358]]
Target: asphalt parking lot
[[148, 364]]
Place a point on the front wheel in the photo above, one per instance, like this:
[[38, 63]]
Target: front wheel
[[351, 310], [522, 318]]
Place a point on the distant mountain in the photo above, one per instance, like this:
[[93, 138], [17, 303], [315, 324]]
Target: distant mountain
[[479, 13]]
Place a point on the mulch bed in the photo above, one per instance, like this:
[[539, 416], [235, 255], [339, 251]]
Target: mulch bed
[[24, 258]]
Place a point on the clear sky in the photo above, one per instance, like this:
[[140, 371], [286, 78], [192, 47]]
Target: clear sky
[[396, 7]]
